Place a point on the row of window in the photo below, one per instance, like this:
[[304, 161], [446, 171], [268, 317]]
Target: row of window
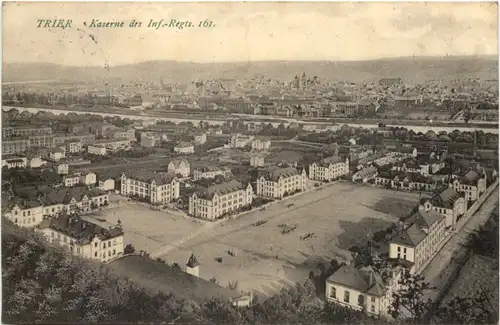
[[347, 298]]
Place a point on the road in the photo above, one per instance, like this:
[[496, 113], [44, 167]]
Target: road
[[433, 273]]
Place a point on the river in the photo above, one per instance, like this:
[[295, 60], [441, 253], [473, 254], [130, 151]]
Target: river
[[251, 119]]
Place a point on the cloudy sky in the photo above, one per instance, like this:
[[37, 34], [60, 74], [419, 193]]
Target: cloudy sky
[[249, 31]]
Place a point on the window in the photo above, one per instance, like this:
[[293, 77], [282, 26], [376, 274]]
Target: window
[[399, 249], [404, 250], [95, 244], [346, 296], [95, 254], [361, 300], [333, 292], [373, 308], [373, 300]]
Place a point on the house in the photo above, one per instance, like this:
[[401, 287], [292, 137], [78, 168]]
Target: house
[[35, 161], [70, 200], [157, 188], [239, 141], [106, 184], [420, 241], [329, 168], [407, 151], [71, 180], [200, 138], [211, 172], [14, 162], [365, 174], [63, 169], [187, 284], [472, 184], [261, 145], [97, 149], [184, 148], [88, 178], [149, 139], [280, 182], [113, 145], [74, 146], [219, 199], [448, 203], [24, 213], [257, 161], [83, 238], [57, 154], [179, 167], [400, 180], [14, 146], [363, 288]]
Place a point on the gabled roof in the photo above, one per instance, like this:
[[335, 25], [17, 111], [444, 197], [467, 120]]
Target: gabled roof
[[365, 280], [367, 171], [445, 199], [81, 230], [177, 162], [183, 144], [425, 219], [220, 189], [65, 195], [470, 178], [411, 236], [193, 261], [147, 176], [330, 160], [274, 174]]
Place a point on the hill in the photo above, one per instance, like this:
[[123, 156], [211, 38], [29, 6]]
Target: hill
[[412, 70]]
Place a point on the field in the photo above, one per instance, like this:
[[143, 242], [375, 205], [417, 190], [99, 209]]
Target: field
[[265, 260], [338, 216]]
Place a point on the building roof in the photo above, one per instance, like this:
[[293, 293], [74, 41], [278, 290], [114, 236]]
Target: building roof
[[53, 196], [220, 189], [365, 280], [445, 199], [147, 176], [330, 160], [470, 178], [158, 276], [425, 219], [21, 203], [274, 174], [177, 162], [193, 261], [367, 171], [209, 168], [82, 231], [183, 144], [411, 236]]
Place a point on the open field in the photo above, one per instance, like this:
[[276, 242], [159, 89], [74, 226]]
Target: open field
[[144, 228], [265, 260]]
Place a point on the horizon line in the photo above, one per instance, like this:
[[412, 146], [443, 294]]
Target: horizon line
[[273, 60]]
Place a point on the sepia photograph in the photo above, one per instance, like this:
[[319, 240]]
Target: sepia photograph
[[250, 163]]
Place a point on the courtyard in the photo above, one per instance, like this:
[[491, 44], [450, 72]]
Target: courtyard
[[253, 250]]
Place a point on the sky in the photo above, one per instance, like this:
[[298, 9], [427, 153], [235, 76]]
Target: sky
[[248, 32]]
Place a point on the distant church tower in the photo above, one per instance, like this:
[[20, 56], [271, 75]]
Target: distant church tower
[[192, 266]]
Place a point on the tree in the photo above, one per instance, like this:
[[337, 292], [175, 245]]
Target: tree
[[129, 249], [409, 298], [475, 309]]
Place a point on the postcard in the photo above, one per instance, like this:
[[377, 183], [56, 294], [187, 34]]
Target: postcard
[[250, 163]]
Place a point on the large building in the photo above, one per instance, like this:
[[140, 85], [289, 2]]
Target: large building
[[261, 144], [220, 199], [363, 288], [329, 168], [42, 140], [448, 203], [24, 131], [83, 238], [156, 187], [280, 182], [29, 210], [472, 184], [420, 241], [15, 146], [14, 162]]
